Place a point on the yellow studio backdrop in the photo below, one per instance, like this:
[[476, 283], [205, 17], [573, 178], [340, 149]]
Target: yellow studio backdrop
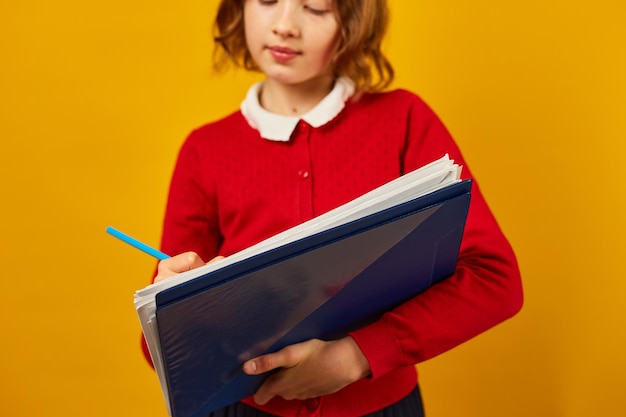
[[96, 99]]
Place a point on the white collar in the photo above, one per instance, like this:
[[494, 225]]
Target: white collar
[[278, 127]]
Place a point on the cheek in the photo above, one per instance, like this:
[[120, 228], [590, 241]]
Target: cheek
[[251, 28], [327, 50], [252, 39], [327, 41]]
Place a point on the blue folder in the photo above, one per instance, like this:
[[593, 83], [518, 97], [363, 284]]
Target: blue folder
[[322, 286]]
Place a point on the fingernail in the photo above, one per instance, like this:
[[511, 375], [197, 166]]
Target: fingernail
[[251, 366]]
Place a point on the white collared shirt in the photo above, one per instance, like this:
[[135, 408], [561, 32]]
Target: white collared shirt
[[277, 127]]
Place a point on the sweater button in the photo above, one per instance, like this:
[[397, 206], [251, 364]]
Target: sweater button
[[303, 174], [312, 403]]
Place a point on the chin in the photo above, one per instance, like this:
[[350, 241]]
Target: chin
[[293, 79], [285, 78]]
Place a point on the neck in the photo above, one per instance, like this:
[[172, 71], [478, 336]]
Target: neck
[[294, 99]]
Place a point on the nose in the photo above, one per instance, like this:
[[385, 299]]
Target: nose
[[286, 24]]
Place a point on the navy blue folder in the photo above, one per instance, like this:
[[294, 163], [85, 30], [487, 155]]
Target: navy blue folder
[[319, 287]]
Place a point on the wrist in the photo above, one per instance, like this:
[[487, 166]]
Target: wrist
[[360, 364]]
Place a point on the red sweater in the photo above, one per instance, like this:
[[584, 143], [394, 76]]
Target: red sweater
[[231, 189]]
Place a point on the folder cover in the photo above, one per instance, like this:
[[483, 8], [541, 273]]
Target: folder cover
[[322, 286]]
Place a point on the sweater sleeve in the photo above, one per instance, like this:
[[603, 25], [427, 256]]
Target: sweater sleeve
[[484, 290], [191, 221]]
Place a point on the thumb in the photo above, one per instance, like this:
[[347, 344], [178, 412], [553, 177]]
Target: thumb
[[177, 264], [287, 357]]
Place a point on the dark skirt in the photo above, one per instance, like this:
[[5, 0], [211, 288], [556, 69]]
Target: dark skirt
[[409, 406]]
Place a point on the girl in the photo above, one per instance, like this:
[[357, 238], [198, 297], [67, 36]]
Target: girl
[[317, 133]]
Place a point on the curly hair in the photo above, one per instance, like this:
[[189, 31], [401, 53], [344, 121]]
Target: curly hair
[[362, 24]]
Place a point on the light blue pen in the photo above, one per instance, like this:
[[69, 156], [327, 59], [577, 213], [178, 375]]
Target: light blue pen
[[134, 242]]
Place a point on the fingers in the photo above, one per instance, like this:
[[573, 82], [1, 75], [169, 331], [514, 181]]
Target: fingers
[[268, 390], [284, 358], [177, 264], [217, 258], [309, 369], [277, 385]]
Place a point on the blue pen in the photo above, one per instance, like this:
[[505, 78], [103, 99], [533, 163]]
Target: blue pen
[[134, 242]]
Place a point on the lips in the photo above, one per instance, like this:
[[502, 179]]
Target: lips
[[283, 53]]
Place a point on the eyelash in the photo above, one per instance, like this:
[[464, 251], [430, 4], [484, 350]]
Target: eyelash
[[316, 12], [313, 11]]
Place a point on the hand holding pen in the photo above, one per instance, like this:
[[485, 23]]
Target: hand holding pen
[[169, 266]]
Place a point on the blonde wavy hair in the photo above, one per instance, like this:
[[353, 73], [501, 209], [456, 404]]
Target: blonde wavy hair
[[362, 25]]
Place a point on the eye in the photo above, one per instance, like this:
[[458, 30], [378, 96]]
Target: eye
[[316, 12], [267, 2]]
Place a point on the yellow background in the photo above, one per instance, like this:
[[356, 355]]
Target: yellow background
[[95, 99]]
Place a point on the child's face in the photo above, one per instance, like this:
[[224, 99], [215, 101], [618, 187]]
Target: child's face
[[292, 41]]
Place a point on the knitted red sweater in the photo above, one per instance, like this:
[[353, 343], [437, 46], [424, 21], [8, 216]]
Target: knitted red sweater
[[231, 189]]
